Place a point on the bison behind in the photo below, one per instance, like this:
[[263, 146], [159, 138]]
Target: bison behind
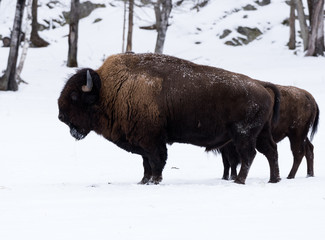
[[299, 113]]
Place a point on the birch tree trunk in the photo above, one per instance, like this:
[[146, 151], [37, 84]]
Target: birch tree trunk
[[302, 23], [26, 41], [124, 21], [8, 80], [292, 26], [316, 39], [162, 12], [130, 28], [73, 34]]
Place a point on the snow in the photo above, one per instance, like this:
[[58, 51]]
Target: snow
[[52, 187]]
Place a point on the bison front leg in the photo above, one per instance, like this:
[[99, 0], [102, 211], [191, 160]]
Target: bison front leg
[[229, 162], [154, 164], [147, 171], [230, 159], [226, 166]]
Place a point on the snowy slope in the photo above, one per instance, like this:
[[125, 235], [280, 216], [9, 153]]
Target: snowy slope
[[52, 187]]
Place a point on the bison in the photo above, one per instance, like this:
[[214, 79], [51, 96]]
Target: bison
[[141, 102], [298, 113]]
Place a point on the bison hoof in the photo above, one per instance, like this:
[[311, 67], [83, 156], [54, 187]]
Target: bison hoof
[[225, 177], [239, 181], [233, 177], [290, 177], [151, 180], [275, 180], [156, 179], [145, 180]]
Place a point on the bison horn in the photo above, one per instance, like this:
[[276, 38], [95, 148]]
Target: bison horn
[[89, 86]]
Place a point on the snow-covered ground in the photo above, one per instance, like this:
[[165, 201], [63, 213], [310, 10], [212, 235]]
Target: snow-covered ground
[[52, 187]]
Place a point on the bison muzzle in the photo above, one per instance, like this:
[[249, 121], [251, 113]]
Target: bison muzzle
[[141, 102]]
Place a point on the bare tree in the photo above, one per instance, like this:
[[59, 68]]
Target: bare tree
[[130, 28], [302, 23], [8, 80], [73, 34], [124, 22], [292, 25], [162, 12], [35, 39], [26, 42], [316, 38]]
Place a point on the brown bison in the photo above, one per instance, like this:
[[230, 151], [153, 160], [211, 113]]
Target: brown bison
[[298, 113], [141, 102]]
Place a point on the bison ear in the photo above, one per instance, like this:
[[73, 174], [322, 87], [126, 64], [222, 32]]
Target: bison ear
[[92, 86]]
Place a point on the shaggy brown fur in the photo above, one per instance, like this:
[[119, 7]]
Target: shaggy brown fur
[[141, 102], [298, 113]]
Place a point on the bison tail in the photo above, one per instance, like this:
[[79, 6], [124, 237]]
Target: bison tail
[[277, 99], [315, 124]]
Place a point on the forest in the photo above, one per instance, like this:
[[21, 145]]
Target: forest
[[311, 31]]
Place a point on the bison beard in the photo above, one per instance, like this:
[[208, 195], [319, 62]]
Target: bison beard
[[141, 102]]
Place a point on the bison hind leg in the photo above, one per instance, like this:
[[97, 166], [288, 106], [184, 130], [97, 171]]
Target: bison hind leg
[[298, 150], [310, 158], [243, 135], [245, 147], [267, 146], [246, 153]]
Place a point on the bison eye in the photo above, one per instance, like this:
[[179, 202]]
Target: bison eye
[[74, 96]]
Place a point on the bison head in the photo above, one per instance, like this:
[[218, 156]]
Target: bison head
[[78, 100]]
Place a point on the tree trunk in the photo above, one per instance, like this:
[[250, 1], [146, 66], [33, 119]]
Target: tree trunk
[[316, 39], [124, 21], [310, 10], [292, 25], [130, 29], [26, 41], [162, 12], [303, 23], [8, 80], [73, 34], [35, 39]]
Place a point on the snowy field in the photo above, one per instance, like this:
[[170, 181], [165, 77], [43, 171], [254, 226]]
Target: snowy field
[[54, 188]]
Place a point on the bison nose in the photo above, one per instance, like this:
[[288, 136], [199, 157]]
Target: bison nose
[[61, 117]]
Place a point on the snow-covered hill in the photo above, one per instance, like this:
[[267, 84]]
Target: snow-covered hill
[[52, 187]]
